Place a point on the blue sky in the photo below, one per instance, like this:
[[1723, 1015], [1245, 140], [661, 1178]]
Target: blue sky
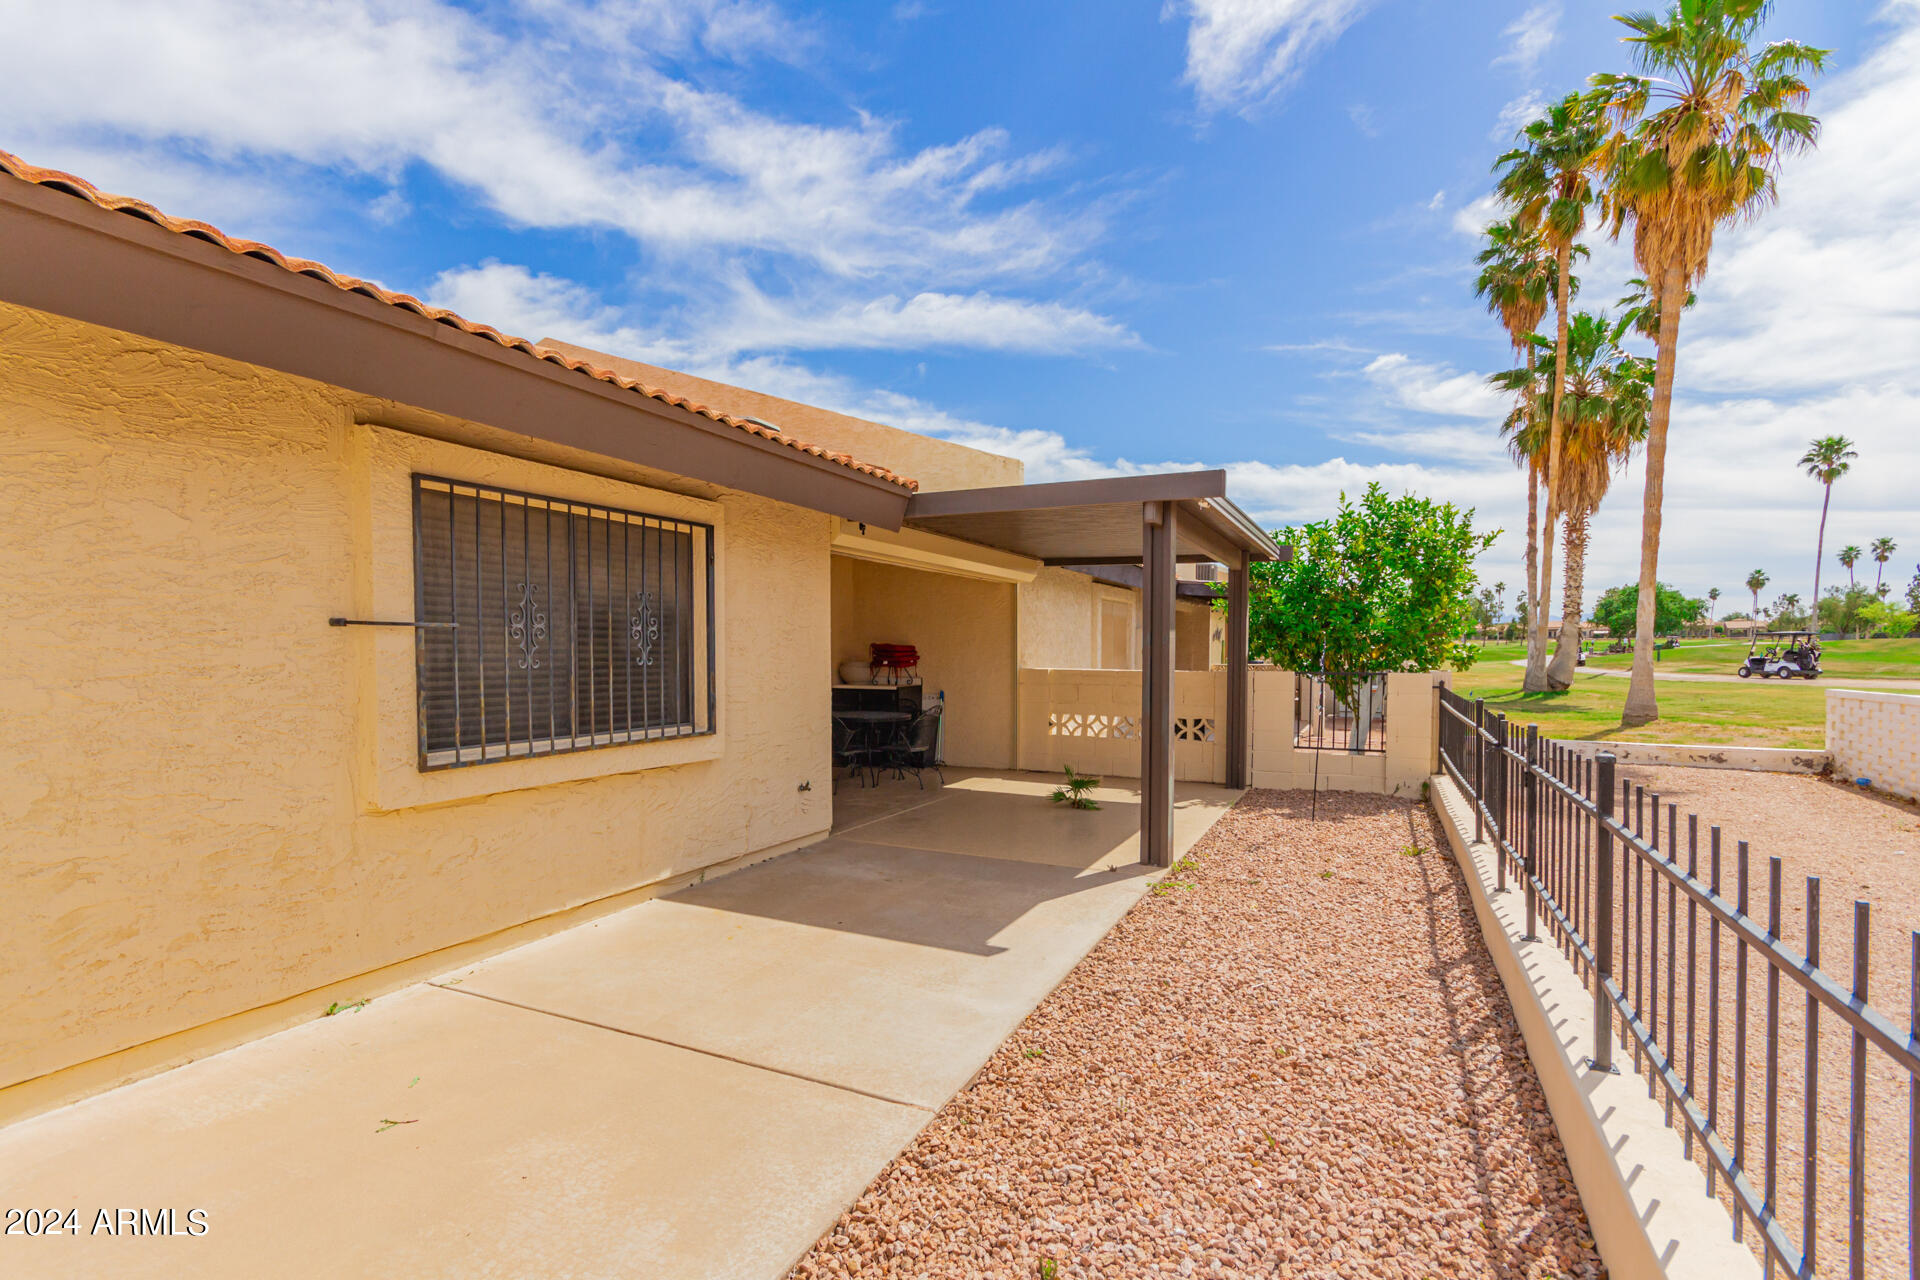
[[1102, 236]]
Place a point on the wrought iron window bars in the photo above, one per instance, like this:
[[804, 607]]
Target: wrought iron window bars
[[551, 626]]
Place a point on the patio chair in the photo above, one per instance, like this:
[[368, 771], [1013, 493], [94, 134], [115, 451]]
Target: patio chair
[[915, 748], [852, 748]]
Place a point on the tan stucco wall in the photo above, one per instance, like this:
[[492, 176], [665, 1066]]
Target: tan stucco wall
[[964, 630], [1091, 720], [1412, 746], [1192, 635], [936, 464], [1059, 619], [189, 830], [1060, 623]]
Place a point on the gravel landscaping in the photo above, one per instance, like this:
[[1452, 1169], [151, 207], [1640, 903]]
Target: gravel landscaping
[[1292, 1058]]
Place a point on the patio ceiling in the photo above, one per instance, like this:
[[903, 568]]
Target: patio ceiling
[[1097, 521]]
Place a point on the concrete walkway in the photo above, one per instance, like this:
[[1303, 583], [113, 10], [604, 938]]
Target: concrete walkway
[[1698, 677], [694, 1087]]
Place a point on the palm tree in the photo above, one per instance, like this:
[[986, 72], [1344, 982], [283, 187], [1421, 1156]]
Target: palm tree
[[1755, 581], [1603, 411], [1826, 460], [1849, 557], [1713, 602], [1525, 431], [1516, 275], [1883, 549], [1548, 182], [1640, 313], [1704, 131]]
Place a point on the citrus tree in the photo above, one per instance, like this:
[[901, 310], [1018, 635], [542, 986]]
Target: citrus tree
[[1385, 584]]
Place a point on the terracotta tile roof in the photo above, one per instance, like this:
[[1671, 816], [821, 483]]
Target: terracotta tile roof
[[52, 178]]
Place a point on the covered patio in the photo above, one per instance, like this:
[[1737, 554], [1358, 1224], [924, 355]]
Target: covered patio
[[1156, 522]]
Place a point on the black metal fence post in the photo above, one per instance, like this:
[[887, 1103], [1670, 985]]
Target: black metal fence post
[[1604, 793], [1497, 795], [1479, 769], [1531, 833]]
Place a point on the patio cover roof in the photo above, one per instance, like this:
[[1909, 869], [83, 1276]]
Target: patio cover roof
[[1097, 521]]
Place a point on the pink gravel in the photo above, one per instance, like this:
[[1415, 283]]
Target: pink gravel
[[1294, 1058]]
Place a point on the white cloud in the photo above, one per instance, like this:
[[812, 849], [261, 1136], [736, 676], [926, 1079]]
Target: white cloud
[[1244, 53], [1517, 115], [978, 321], [1530, 36], [511, 297], [551, 115], [1431, 388], [1471, 219]]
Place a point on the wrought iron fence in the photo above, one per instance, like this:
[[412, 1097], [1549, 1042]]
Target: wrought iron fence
[[1322, 721], [1685, 977]]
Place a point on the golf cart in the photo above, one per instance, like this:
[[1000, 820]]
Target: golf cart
[[1797, 654]]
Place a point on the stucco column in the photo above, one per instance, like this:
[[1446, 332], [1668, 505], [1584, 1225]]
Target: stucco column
[[1156, 683], [1239, 687]]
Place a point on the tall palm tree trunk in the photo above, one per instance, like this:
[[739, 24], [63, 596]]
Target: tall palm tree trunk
[[1533, 559], [1820, 552], [1563, 297], [1574, 556], [1643, 705]]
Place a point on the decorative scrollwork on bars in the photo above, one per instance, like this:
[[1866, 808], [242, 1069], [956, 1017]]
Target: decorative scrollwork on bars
[[527, 627], [643, 628]]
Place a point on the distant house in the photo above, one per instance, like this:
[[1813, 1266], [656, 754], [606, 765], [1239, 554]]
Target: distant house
[[346, 630]]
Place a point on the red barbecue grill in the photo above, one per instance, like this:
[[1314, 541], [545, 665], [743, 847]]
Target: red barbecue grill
[[898, 660]]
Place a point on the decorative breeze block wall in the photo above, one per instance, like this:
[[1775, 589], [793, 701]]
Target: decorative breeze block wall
[[1876, 736]]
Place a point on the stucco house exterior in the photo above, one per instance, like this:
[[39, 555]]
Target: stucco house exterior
[[352, 637]]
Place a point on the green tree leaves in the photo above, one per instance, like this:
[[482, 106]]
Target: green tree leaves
[[1387, 584]]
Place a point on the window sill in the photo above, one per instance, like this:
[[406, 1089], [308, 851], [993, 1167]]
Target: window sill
[[466, 757]]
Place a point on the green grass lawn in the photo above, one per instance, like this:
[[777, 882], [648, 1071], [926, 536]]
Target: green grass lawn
[[1759, 713], [1859, 659]]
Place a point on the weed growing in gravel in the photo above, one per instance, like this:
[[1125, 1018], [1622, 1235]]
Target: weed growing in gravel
[[1326, 875], [1412, 851], [1036, 1053], [1049, 1269], [337, 1007], [1166, 887]]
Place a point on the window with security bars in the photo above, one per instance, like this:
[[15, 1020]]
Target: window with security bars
[[555, 626]]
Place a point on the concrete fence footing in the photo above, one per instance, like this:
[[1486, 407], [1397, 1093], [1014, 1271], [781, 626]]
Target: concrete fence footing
[[1646, 1202]]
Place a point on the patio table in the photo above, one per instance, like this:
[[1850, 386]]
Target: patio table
[[870, 724]]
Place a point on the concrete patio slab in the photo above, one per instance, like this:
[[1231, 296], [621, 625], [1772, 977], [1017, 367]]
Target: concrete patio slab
[[529, 1145], [891, 971], [995, 815], [692, 1087]]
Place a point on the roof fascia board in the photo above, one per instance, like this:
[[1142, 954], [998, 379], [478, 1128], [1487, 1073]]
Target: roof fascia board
[[1168, 487], [1197, 528], [1247, 528], [69, 257], [1068, 562], [932, 553]]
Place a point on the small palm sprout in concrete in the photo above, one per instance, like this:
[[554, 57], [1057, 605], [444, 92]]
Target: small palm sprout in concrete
[[1077, 791]]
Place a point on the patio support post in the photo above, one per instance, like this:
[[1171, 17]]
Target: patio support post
[[1156, 683], [1239, 687]]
